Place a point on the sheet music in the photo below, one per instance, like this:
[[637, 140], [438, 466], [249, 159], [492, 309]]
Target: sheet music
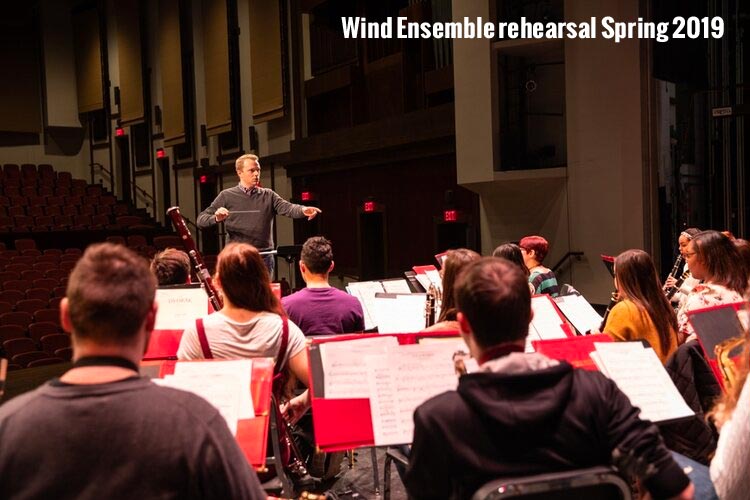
[[399, 313], [640, 375], [579, 312], [220, 390], [345, 373], [239, 370], [434, 276], [423, 280], [396, 286], [365, 291], [546, 324], [400, 381], [179, 307]]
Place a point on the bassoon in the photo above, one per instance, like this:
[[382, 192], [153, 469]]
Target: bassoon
[[195, 257]]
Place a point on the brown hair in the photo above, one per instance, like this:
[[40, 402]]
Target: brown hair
[[244, 279], [455, 262], [494, 296], [171, 267], [239, 162], [720, 257], [638, 282], [512, 253], [536, 243], [317, 254], [110, 292]]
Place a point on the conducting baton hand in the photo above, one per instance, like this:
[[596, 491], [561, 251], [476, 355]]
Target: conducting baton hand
[[221, 214], [310, 212]]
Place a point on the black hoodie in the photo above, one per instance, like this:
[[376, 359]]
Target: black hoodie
[[533, 421]]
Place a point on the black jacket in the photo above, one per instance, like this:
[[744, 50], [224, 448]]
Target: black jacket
[[499, 425]]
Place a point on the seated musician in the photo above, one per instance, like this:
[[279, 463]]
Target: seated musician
[[103, 431], [171, 267], [525, 414], [730, 467], [643, 312], [512, 252], [534, 249], [321, 308], [714, 259], [455, 261], [251, 324], [688, 281]]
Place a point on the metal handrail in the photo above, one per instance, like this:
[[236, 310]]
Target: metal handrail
[[573, 254], [108, 171]]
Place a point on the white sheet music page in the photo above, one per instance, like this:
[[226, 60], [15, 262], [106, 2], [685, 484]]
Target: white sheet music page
[[641, 376], [179, 307], [221, 390], [400, 313], [579, 312], [345, 373], [396, 286], [240, 369], [403, 379], [365, 291], [546, 323], [434, 276]]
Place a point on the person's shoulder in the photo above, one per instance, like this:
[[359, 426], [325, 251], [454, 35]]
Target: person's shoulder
[[178, 401], [21, 403], [439, 407]]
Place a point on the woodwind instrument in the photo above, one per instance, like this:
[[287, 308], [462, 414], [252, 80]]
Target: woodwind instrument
[[195, 257], [670, 291], [429, 307], [613, 299]]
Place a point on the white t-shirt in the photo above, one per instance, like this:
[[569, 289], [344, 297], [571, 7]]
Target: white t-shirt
[[228, 339]]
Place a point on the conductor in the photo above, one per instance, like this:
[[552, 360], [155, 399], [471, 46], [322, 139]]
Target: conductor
[[248, 210]]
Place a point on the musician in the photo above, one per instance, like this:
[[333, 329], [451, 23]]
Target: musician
[[103, 431], [251, 324], [525, 414], [171, 267], [534, 249], [643, 312], [689, 282], [249, 210], [512, 252], [712, 258], [455, 262], [321, 308], [730, 467]]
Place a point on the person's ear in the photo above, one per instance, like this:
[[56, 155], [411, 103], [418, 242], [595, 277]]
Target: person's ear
[[463, 324], [151, 318], [302, 267], [65, 322], [330, 268]]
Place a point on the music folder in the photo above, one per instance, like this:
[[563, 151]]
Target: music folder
[[178, 307]]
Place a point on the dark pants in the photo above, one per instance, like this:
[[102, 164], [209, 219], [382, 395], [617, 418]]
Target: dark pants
[[270, 261]]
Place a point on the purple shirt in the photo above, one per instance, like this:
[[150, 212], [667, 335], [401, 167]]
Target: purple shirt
[[324, 310]]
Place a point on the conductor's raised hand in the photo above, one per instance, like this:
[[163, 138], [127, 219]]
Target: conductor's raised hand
[[311, 212], [221, 214]]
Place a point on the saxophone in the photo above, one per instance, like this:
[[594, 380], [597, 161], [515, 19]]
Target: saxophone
[[726, 365]]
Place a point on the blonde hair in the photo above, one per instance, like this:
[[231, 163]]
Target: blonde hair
[[239, 161], [726, 404]]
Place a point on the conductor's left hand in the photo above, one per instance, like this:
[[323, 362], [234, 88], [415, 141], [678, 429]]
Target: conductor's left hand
[[311, 212]]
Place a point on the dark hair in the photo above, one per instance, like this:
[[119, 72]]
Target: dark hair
[[244, 278], [494, 296], [720, 257], [638, 282], [317, 254], [512, 253], [110, 291], [743, 250], [454, 263], [171, 267], [536, 243], [690, 232]]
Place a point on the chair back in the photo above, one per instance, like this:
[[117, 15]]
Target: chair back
[[601, 483]]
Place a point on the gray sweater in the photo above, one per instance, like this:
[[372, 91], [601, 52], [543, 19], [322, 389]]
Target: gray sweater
[[256, 227]]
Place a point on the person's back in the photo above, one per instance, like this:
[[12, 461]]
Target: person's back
[[125, 439], [321, 308], [324, 310], [532, 416]]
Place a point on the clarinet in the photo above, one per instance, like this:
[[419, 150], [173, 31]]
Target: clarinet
[[670, 291], [613, 299], [429, 307], [195, 256]]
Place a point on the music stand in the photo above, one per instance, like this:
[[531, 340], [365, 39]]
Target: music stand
[[290, 253]]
